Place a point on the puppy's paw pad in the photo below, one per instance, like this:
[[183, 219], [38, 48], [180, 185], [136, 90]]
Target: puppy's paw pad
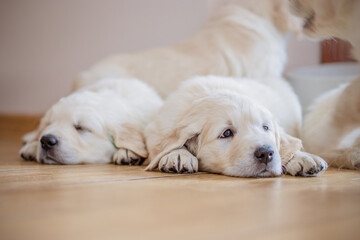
[[28, 151], [179, 161], [305, 165], [127, 157]]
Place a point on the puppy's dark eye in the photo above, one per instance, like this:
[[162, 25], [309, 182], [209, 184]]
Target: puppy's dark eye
[[227, 133], [266, 128], [79, 128]]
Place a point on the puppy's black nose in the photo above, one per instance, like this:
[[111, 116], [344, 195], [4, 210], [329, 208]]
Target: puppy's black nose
[[264, 154], [48, 142]]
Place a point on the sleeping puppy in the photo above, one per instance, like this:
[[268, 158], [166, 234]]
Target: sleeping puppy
[[237, 127], [332, 126], [101, 123], [245, 38]]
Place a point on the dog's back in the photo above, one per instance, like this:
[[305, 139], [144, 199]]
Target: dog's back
[[237, 41]]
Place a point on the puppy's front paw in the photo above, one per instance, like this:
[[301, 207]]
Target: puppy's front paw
[[305, 165], [127, 157], [179, 161], [28, 151]]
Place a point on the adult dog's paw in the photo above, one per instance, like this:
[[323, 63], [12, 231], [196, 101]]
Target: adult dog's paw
[[28, 151], [127, 157], [305, 165], [179, 161]]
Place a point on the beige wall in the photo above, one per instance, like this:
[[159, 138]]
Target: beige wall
[[44, 43]]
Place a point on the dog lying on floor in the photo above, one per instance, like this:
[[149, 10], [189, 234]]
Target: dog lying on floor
[[233, 127], [245, 38], [101, 123], [332, 126]]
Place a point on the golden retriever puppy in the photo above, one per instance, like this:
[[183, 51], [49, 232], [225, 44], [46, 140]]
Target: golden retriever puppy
[[245, 38], [101, 123], [234, 127], [332, 126]]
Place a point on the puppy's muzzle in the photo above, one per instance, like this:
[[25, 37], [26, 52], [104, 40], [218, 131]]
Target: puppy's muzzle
[[48, 142], [264, 154]]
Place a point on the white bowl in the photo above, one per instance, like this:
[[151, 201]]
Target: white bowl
[[311, 82]]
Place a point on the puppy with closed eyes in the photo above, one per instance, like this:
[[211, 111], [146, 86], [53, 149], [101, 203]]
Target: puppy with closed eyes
[[101, 123], [237, 127]]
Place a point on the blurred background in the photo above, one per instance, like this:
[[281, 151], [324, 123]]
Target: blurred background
[[45, 43]]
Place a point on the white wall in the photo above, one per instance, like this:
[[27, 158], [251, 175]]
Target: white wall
[[44, 43], [302, 52]]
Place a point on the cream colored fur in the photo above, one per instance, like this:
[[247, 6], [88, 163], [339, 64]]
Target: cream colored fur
[[101, 123], [332, 126], [186, 134], [243, 39]]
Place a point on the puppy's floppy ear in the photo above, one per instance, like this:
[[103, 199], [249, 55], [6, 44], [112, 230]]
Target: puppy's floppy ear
[[286, 144], [129, 136], [185, 133], [175, 139]]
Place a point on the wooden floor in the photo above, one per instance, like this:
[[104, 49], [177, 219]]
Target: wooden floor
[[122, 202]]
